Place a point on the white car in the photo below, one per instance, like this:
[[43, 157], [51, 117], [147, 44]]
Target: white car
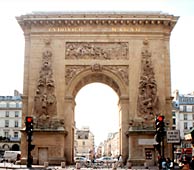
[[82, 160], [106, 159], [11, 156]]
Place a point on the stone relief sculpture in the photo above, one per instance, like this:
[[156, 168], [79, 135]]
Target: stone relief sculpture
[[122, 71], [95, 50], [72, 71], [147, 98], [45, 99]]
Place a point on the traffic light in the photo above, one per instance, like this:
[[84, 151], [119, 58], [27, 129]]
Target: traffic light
[[160, 128], [29, 125], [29, 131]]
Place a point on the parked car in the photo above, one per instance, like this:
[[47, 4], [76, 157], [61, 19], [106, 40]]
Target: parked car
[[82, 160], [11, 156], [106, 159]]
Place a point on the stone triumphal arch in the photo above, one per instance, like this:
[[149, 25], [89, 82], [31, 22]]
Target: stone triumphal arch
[[65, 51]]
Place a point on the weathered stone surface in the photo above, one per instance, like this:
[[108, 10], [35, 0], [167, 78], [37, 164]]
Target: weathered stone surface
[[66, 51]]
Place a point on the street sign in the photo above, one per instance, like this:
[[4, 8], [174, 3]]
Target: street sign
[[173, 136]]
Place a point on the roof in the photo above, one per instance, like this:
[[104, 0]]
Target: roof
[[10, 98]]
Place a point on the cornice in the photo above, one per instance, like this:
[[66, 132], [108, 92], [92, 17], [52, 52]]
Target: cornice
[[96, 18]]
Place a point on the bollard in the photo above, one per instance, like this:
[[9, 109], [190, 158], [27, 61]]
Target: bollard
[[114, 166], [129, 164], [63, 164], [78, 165], [145, 165], [46, 164]]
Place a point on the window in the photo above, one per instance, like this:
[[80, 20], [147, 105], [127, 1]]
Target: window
[[7, 114], [192, 108], [16, 123], [86, 136], [185, 116], [16, 113], [83, 143], [193, 116], [12, 104], [17, 105], [184, 108], [16, 135], [185, 125], [174, 121], [7, 105], [173, 114], [6, 134], [2, 105], [6, 123]]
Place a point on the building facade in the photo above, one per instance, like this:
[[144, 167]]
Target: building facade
[[183, 113], [10, 121], [84, 143], [110, 147], [183, 120]]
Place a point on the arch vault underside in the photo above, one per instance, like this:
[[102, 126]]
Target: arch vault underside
[[66, 51]]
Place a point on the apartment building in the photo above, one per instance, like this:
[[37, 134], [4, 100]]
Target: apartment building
[[183, 119], [110, 146], [183, 113], [84, 143], [10, 121]]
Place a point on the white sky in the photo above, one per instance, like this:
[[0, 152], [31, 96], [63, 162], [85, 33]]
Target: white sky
[[12, 45]]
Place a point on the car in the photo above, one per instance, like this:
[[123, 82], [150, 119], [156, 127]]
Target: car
[[82, 160], [106, 159], [11, 156]]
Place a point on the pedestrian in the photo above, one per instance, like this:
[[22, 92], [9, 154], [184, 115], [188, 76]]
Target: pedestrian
[[192, 163], [120, 161], [169, 164], [164, 167], [160, 162], [186, 164]]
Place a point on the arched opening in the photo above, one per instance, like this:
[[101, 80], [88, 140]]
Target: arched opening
[[6, 147], [15, 147], [97, 113], [120, 89]]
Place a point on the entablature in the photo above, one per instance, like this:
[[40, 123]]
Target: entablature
[[82, 19]]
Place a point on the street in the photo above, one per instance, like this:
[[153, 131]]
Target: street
[[39, 167]]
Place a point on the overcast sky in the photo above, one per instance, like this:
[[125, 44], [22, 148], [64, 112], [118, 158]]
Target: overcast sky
[[12, 46]]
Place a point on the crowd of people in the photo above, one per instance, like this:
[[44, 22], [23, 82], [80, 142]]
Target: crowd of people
[[184, 164]]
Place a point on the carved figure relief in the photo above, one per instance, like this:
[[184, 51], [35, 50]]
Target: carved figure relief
[[45, 99], [122, 71], [100, 51], [147, 99], [72, 71]]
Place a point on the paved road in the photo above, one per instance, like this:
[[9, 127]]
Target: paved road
[[38, 167]]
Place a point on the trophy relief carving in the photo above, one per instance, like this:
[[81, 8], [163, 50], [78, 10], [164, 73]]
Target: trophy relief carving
[[121, 71], [72, 71], [45, 99], [95, 50], [147, 98]]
